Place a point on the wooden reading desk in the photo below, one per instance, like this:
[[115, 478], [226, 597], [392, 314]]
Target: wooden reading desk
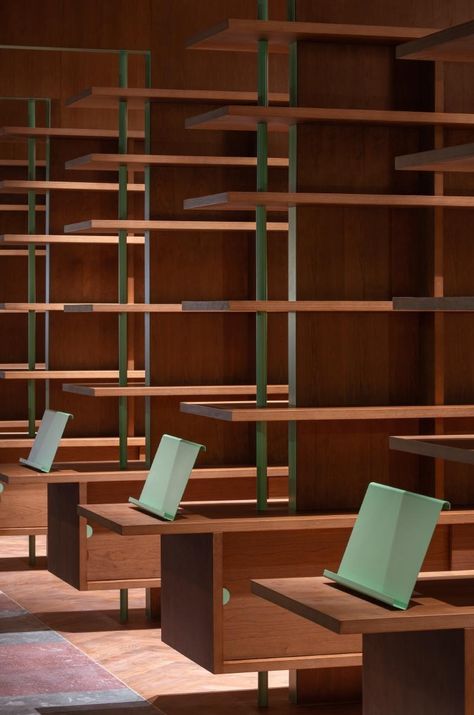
[[415, 662], [212, 550]]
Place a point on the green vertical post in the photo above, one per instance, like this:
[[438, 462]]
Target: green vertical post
[[123, 605], [292, 251], [47, 276], [31, 270], [147, 325], [32, 550], [262, 689], [261, 288], [122, 260]]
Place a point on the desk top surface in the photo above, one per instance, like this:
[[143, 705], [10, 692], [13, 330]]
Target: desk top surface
[[73, 472], [441, 601], [221, 517]]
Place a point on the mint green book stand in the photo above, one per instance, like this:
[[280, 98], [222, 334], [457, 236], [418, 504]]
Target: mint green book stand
[[388, 544], [168, 477], [48, 437]]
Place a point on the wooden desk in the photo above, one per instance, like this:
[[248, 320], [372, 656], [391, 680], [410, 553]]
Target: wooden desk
[[104, 561], [414, 662], [211, 547]]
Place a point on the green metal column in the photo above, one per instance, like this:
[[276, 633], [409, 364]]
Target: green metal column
[[123, 605], [122, 260], [31, 270], [292, 241], [262, 689], [147, 296], [47, 277], [32, 550], [261, 267]]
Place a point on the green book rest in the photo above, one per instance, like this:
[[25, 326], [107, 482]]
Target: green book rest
[[168, 477], [388, 544], [48, 437]]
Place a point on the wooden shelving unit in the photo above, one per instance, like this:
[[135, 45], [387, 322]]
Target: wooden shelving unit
[[240, 35], [17, 239], [278, 411], [276, 201], [112, 226], [137, 162], [450, 158], [453, 44], [168, 390], [287, 306], [279, 119]]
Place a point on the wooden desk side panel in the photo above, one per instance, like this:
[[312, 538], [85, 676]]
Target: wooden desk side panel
[[64, 537], [23, 509], [191, 597]]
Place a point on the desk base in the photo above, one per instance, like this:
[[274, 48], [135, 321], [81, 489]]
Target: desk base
[[419, 673]]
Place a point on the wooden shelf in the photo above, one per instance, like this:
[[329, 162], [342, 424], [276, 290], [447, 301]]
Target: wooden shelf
[[278, 411], [12, 252], [83, 472], [64, 133], [13, 425], [15, 163], [462, 304], [67, 374], [228, 517], [20, 208], [288, 306], [450, 158], [114, 225], [108, 97], [451, 447], [238, 35], [123, 308], [110, 162], [279, 119], [280, 201], [454, 44], [20, 366], [26, 307], [47, 239], [73, 442], [13, 186], [168, 390]]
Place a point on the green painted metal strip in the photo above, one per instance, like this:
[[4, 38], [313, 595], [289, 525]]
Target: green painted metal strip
[[147, 247], [262, 698], [261, 264], [123, 605], [292, 264], [47, 277], [31, 270], [122, 261], [32, 550]]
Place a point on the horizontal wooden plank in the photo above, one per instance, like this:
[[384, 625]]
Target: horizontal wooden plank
[[453, 44], [225, 517], [450, 158], [26, 307], [13, 186], [8, 425], [115, 225], [334, 660], [441, 603], [87, 442], [67, 374], [64, 133], [279, 119], [288, 306], [280, 201], [451, 447], [122, 308], [168, 390], [19, 239], [20, 208], [85, 472], [461, 304], [240, 35], [278, 411], [14, 163], [18, 252], [108, 97], [137, 162]]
